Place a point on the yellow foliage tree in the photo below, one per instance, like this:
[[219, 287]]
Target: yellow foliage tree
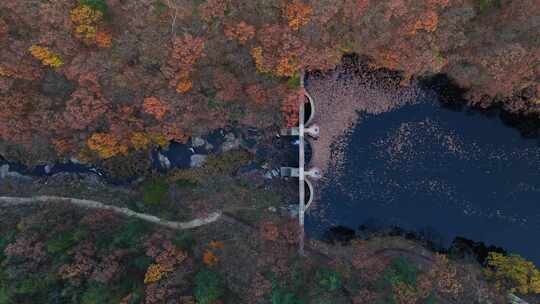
[[46, 57], [86, 19], [106, 145], [5, 72], [513, 273], [84, 14], [139, 140], [257, 54], [153, 274]]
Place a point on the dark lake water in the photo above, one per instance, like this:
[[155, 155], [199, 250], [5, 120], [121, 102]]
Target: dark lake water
[[447, 173]]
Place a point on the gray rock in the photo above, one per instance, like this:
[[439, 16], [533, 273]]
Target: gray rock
[[293, 210], [164, 161], [75, 160], [4, 170], [230, 137], [197, 160], [198, 141], [230, 145], [209, 147]]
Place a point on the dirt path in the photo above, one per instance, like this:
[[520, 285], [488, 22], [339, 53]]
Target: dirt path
[[14, 201]]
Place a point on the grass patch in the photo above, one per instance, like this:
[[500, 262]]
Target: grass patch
[[155, 190]]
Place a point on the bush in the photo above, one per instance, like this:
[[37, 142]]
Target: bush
[[209, 286], [155, 190], [328, 280]]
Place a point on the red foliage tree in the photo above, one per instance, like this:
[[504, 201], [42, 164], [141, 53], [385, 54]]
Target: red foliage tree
[[256, 93], [213, 9], [269, 231], [228, 87], [290, 107]]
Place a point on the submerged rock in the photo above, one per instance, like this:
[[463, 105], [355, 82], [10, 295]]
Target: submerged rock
[[5, 173]]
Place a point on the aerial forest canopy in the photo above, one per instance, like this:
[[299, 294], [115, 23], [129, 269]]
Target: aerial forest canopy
[[93, 79]]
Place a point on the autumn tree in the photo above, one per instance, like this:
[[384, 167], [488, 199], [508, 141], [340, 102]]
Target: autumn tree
[[185, 53], [290, 107], [280, 51], [298, 14], [106, 145], [213, 9], [155, 107], [241, 31], [46, 57], [227, 86], [513, 273], [87, 19]]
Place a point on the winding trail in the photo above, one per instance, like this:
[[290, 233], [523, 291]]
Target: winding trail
[[15, 201]]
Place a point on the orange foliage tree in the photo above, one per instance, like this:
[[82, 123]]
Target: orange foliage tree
[[186, 51], [298, 14], [427, 21], [242, 32], [280, 51], [155, 107]]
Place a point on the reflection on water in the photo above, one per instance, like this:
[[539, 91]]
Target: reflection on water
[[423, 167]]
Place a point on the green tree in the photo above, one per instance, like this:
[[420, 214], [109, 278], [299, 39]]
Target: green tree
[[328, 280], [401, 270], [209, 286]]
